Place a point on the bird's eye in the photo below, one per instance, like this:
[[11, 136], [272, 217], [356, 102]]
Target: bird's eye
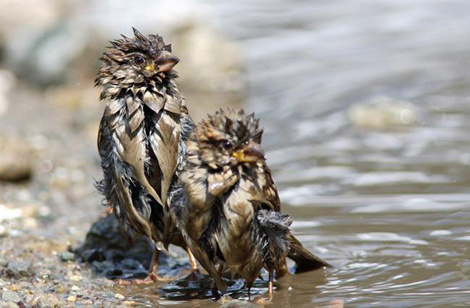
[[227, 144], [138, 60]]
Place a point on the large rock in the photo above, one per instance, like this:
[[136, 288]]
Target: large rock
[[15, 160]]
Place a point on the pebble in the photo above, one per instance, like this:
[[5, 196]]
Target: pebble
[[72, 298], [3, 231], [43, 303], [7, 213], [14, 167], [67, 256], [10, 296], [75, 288], [119, 296], [75, 278], [19, 270]]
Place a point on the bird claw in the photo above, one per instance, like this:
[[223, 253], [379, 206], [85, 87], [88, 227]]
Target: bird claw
[[152, 278], [155, 277], [126, 282], [262, 300]]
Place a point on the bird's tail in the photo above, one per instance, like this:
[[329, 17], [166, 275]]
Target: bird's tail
[[304, 259]]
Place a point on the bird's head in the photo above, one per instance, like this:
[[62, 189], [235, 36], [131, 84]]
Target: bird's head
[[228, 138], [141, 59]]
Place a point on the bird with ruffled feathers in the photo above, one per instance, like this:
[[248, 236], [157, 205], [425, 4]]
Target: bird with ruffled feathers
[[142, 137], [227, 205]]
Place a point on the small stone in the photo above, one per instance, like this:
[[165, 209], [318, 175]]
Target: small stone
[[129, 303], [53, 300], [3, 231], [75, 288], [43, 303], [19, 270], [67, 256], [10, 296], [15, 163], [75, 278], [72, 298], [119, 296], [7, 213]]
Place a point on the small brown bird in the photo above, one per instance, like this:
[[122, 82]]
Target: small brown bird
[[227, 205], [142, 137]]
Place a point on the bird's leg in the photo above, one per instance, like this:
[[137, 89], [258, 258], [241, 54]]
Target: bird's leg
[[193, 270], [153, 268], [192, 261], [154, 265], [264, 301], [270, 285]]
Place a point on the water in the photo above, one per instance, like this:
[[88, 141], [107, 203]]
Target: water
[[388, 207]]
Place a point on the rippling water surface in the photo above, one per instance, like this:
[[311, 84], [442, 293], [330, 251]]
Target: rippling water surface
[[388, 206]]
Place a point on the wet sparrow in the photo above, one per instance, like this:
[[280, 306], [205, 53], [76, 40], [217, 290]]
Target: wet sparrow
[[227, 205], [142, 134]]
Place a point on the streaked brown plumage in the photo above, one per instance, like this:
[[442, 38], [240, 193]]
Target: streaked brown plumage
[[142, 135], [228, 208]]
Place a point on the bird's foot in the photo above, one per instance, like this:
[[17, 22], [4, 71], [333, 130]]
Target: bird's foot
[[260, 300], [152, 278], [155, 277]]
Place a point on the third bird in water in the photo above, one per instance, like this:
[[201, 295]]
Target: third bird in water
[[142, 136], [228, 208]]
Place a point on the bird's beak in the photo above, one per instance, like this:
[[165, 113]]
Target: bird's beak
[[165, 62], [251, 153]]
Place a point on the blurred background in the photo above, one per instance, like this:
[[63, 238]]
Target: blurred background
[[365, 109]]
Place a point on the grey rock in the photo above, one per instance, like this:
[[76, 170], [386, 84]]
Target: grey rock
[[19, 270], [43, 303], [67, 256], [10, 296]]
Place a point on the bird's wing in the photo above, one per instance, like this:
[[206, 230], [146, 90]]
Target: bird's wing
[[182, 212], [164, 142], [118, 182], [129, 137]]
